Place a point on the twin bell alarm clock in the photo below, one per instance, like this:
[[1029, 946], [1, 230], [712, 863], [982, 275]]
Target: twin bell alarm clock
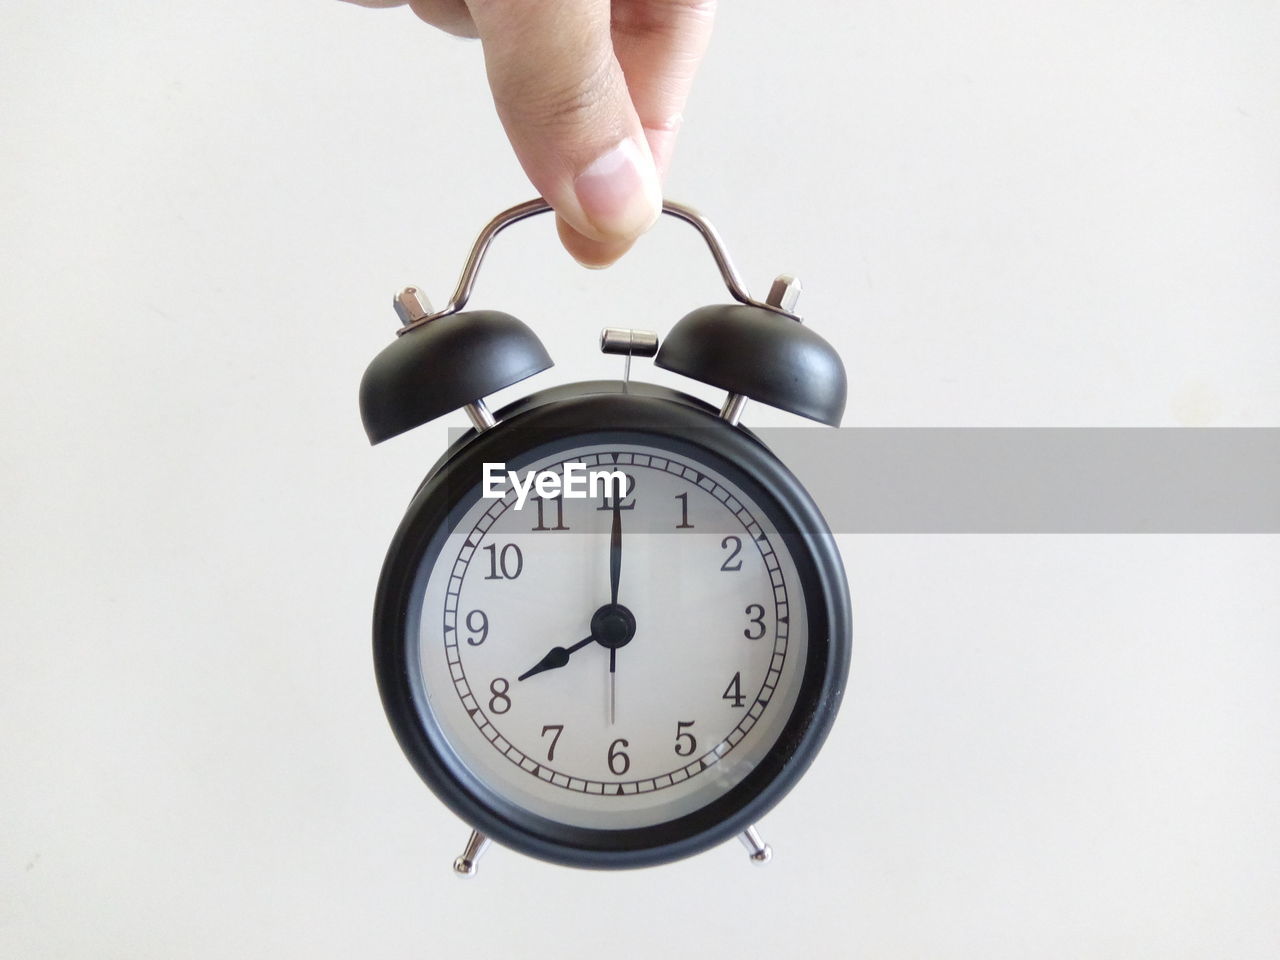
[[612, 629]]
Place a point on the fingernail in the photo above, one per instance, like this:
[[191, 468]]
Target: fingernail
[[619, 191]]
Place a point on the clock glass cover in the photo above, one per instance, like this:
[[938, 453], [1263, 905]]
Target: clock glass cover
[[600, 713]]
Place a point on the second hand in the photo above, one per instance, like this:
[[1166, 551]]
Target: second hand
[[613, 663]]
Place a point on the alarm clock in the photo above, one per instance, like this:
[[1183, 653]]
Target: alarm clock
[[612, 629]]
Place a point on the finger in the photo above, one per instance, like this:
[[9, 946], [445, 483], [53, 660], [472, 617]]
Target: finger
[[452, 16], [562, 97], [659, 45], [590, 253]]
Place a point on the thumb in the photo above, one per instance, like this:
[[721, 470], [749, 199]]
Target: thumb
[[563, 100]]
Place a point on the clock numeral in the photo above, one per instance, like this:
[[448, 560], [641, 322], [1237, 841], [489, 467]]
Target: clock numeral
[[499, 703], [619, 762], [559, 729], [733, 692], [628, 491], [757, 620], [684, 523], [504, 565], [734, 546], [481, 631], [542, 524], [685, 739]]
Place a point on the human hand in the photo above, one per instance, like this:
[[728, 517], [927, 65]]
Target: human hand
[[590, 94]]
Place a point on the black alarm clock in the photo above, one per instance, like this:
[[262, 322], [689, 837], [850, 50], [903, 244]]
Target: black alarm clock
[[612, 629]]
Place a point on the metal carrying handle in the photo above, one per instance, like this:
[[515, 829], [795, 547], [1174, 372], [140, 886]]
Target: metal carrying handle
[[531, 208]]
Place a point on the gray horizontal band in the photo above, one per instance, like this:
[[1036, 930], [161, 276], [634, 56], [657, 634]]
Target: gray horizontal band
[[1038, 480], [1033, 480]]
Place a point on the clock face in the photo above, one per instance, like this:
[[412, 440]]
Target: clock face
[[601, 712]]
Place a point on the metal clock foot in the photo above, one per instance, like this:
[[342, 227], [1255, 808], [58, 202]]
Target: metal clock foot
[[760, 851], [465, 866]]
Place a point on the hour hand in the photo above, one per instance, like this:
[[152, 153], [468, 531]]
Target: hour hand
[[554, 658]]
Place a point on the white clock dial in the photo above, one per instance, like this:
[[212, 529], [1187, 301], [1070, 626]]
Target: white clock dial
[[707, 640]]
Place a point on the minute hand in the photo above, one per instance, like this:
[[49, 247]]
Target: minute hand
[[615, 551]]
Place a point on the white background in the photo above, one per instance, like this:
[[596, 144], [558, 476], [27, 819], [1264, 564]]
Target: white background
[[1005, 213]]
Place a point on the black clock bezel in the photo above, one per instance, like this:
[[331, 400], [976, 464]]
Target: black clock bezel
[[574, 416]]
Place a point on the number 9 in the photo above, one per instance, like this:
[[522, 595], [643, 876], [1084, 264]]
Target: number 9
[[482, 629]]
